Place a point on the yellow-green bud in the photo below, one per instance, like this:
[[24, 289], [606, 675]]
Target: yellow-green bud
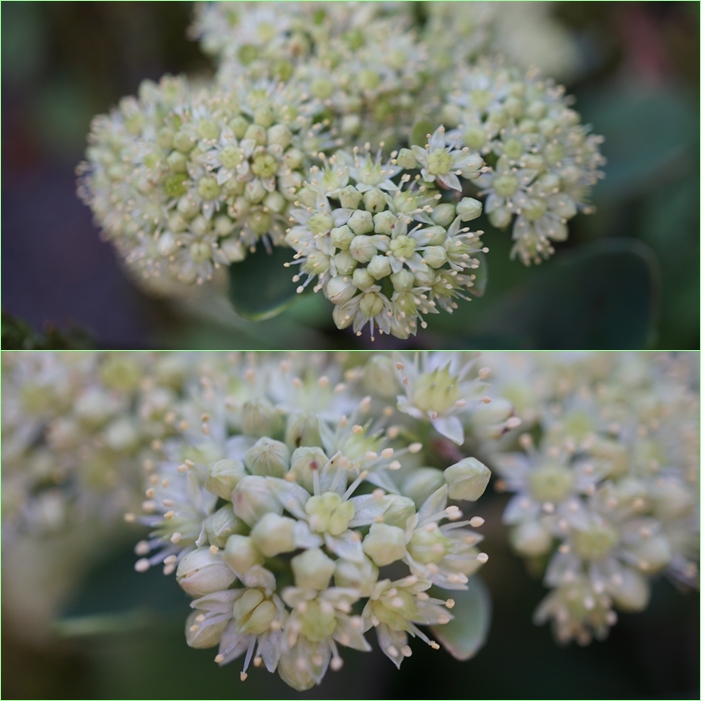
[[384, 544], [199, 634], [399, 511], [201, 572], [312, 569], [467, 479], [421, 483], [339, 289], [221, 524], [379, 267], [356, 575], [268, 457], [260, 418], [241, 554], [384, 222], [375, 200], [304, 462], [252, 499], [350, 197], [360, 222], [329, 514], [428, 546], [223, 476], [274, 534], [302, 430], [468, 209], [342, 237], [406, 159]]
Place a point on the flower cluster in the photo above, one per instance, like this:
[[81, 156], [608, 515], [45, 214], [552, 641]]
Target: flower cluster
[[184, 180], [544, 161], [287, 492], [75, 427], [608, 495], [189, 178], [385, 253]]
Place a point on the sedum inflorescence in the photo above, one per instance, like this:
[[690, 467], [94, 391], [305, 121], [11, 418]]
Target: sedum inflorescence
[[296, 508], [191, 177], [608, 495]]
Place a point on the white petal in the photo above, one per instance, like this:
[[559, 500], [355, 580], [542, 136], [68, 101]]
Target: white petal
[[450, 427]]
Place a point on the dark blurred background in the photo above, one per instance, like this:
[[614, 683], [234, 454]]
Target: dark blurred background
[[627, 278]]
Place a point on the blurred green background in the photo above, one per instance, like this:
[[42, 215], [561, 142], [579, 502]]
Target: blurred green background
[[627, 278]]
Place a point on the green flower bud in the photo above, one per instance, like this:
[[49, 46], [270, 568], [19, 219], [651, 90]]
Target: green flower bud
[[239, 125], [379, 267], [252, 499], [342, 237], [406, 159], [312, 569], [360, 222], [345, 263], [294, 159], [233, 249], [184, 142], [350, 197], [467, 479], [403, 281], [421, 483], [260, 418], [223, 476], [468, 209], [257, 133], [201, 572], [384, 544], [399, 511], [268, 457], [488, 419], [443, 214], [200, 634], [274, 534], [362, 279], [530, 539], [362, 247], [253, 612], [304, 462], [500, 217], [279, 135], [384, 222], [654, 554], [379, 378], [302, 430], [339, 289], [254, 191], [241, 554], [356, 575], [374, 200], [221, 524], [435, 256]]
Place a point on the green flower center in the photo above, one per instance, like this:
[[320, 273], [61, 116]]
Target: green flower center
[[439, 162], [551, 483], [505, 185], [594, 543], [436, 391], [329, 513]]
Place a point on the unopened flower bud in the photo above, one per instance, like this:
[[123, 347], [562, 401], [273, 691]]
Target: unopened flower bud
[[339, 289], [240, 553], [488, 419], [384, 544], [223, 476], [399, 511], [356, 575], [379, 267], [360, 222], [260, 418], [342, 237], [406, 159], [201, 572], [312, 569], [268, 457], [379, 378], [203, 634], [435, 256], [274, 534], [252, 499], [633, 591], [304, 462], [402, 281], [468, 209], [350, 197], [221, 524], [375, 200], [302, 430], [467, 479], [443, 214], [384, 222], [421, 483]]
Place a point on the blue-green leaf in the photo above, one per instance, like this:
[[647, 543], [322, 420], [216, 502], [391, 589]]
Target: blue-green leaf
[[467, 632], [261, 287]]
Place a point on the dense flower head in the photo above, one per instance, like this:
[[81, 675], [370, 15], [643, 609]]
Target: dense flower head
[[608, 495], [375, 247], [278, 519], [544, 161], [186, 179], [75, 427]]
